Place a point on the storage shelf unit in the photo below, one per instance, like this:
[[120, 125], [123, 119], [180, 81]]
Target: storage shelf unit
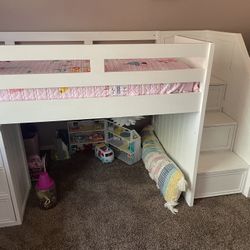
[[126, 143], [85, 132]]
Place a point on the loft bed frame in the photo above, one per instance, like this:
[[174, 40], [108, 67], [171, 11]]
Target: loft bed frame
[[195, 52], [177, 118]]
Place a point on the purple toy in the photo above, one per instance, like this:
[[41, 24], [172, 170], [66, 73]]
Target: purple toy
[[46, 189]]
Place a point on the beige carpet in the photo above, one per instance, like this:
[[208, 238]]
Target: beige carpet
[[119, 207]]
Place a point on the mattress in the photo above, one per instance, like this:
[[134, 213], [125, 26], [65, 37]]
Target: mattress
[[94, 90]]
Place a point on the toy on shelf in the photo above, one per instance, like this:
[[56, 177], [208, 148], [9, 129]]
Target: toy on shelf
[[126, 143], [82, 133], [104, 153], [126, 121]]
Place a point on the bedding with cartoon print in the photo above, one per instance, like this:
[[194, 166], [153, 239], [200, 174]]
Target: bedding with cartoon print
[[83, 66]]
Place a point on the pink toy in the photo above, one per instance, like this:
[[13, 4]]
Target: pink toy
[[35, 166], [45, 182], [46, 189]]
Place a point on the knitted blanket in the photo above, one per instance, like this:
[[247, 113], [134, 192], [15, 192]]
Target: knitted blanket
[[168, 177]]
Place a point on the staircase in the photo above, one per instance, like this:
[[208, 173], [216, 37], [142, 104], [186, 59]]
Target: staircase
[[220, 170]]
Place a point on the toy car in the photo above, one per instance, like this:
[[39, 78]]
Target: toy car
[[104, 153]]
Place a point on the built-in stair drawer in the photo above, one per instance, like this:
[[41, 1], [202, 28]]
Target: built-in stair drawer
[[6, 211], [4, 188], [219, 183], [218, 137], [215, 97], [220, 173]]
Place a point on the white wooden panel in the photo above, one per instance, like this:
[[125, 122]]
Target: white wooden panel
[[196, 62], [168, 36], [77, 36], [88, 108], [1, 160], [231, 63], [6, 211], [237, 101], [246, 189], [178, 133], [114, 51], [222, 183], [215, 118], [224, 46], [218, 161], [218, 138], [215, 97], [12, 148], [97, 55], [99, 78], [4, 188]]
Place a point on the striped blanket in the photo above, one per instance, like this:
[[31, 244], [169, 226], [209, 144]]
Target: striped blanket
[[168, 177]]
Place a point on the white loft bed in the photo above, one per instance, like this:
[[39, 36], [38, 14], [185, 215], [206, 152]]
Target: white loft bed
[[179, 112], [195, 52]]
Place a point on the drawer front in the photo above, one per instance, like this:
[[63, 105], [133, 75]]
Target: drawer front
[[6, 211], [215, 97], [218, 138], [214, 184], [4, 188]]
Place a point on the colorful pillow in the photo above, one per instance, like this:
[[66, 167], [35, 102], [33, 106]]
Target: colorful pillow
[[168, 177]]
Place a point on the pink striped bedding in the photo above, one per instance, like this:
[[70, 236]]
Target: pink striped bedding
[[83, 66]]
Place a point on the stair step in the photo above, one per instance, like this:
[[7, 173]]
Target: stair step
[[220, 173], [218, 132], [214, 161], [216, 94], [215, 118]]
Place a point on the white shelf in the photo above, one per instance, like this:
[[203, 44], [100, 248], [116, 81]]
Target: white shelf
[[123, 147], [127, 139], [215, 118], [86, 130], [215, 161]]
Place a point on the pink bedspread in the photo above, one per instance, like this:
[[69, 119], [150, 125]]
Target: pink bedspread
[[75, 66]]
